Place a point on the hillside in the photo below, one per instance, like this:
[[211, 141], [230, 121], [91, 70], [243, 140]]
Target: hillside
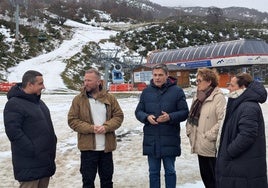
[[43, 29]]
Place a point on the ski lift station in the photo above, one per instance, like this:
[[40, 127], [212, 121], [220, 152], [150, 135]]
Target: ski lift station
[[229, 58]]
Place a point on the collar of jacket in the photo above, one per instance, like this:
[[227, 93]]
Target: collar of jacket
[[216, 90], [102, 96]]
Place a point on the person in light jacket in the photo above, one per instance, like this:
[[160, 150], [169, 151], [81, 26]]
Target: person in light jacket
[[95, 114], [241, 160], [205, 117]]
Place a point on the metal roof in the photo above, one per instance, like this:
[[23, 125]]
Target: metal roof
[[216, 50]]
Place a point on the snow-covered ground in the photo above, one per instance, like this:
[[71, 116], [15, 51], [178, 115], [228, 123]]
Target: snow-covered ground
[[52, 64], [130, 166], [131, 169]]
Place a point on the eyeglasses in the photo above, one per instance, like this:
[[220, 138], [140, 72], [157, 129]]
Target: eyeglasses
[[198, 81]]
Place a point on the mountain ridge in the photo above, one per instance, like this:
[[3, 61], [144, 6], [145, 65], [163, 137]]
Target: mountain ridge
[[175, 30]]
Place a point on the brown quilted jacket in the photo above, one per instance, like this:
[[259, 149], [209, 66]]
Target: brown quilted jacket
[[80, 120]]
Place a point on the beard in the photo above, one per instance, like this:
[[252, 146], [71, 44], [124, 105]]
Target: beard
[[91, 90]]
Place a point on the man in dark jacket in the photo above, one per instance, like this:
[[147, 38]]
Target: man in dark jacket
[[161, 108], [241, 160], [29, 128]]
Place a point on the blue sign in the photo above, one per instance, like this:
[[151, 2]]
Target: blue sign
[[117, 77], [195, 64]]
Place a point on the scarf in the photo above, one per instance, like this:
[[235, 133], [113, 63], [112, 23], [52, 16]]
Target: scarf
[[236, 93], [201, 96]]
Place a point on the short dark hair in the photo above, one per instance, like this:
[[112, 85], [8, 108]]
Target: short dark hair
[[243, 79], [161, 66], [30, 76]]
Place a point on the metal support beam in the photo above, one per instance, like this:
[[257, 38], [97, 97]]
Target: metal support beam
[[17, 21], [106, 74]]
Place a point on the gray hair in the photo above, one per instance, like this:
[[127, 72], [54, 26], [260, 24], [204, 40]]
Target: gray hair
[[95, 71]]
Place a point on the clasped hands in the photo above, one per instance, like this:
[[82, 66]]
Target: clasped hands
[[160, 119], [99, 129]]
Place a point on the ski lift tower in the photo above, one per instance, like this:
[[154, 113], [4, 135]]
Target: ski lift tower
[[107, 57], [17, 4], [132, 62]]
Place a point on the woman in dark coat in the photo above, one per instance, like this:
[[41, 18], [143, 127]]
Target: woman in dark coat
[[241, 161]]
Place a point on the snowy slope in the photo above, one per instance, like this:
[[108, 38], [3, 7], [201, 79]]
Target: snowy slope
[[51, 65]]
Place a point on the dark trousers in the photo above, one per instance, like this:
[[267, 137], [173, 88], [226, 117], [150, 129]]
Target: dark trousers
[[93, 162], [207, 170]]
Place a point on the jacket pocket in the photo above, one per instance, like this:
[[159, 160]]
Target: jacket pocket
[[207, 147]]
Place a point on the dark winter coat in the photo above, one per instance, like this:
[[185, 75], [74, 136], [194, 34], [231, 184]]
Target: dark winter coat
[[241, 160], [29, 128], [162, 139]]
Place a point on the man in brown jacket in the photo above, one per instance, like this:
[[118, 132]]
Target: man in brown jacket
[[95, 115]]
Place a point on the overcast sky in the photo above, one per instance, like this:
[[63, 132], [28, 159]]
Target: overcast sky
[[261, 5]]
